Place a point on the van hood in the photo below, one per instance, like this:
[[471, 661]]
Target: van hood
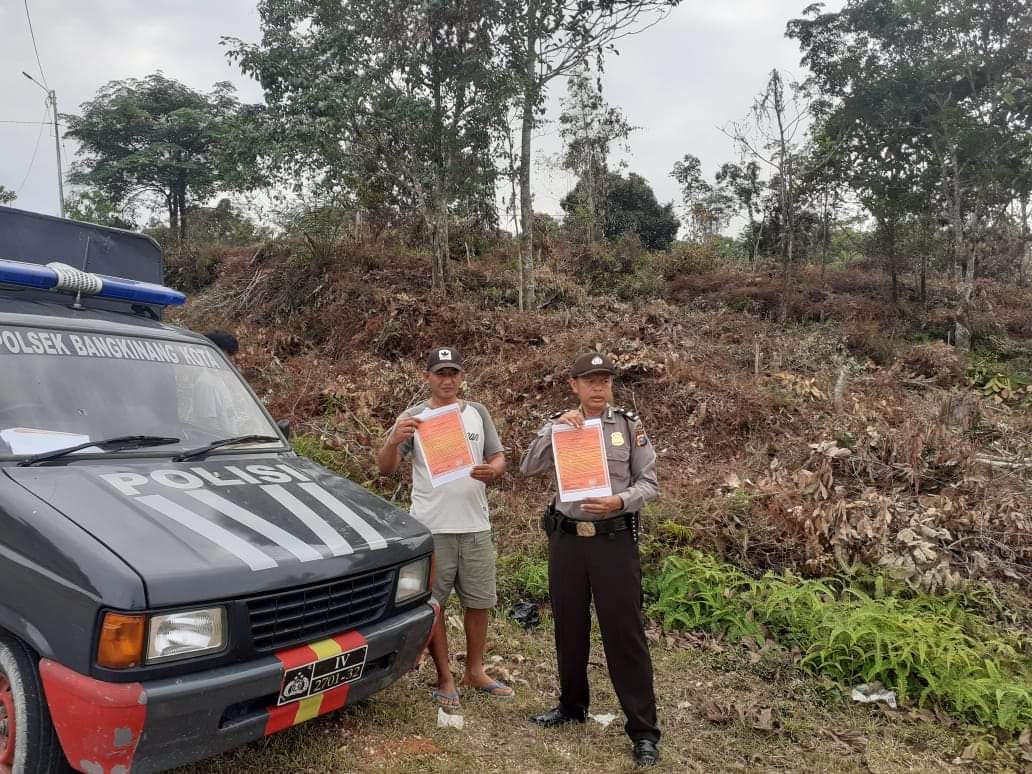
[[230, 526]]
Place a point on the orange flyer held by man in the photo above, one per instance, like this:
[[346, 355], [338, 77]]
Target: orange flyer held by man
[[580, 461], [444, 444]]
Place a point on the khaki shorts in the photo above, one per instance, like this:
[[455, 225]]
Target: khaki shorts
[[465, 562]]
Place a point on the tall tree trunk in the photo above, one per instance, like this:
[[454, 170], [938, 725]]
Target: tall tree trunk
[[777, 91], [927, 229], [441, 251], [440, 187], [924, 277], [181, 198], [754, 241], [786, 272], [530, 99], [173, 214], [516, 227], [966, 287], [591, 203], [1025, 259], [825, 237], [758, 237], [890, 257]]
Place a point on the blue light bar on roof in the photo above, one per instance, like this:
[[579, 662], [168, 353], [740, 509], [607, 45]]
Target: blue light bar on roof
[[65, 279]]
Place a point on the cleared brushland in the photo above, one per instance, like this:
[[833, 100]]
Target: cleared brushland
[[850, 444]]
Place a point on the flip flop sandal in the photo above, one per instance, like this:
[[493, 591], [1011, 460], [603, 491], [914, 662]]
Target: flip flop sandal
[[445, 699], [493, 689]]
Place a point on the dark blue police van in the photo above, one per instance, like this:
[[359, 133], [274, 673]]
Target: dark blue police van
[[174, 580]]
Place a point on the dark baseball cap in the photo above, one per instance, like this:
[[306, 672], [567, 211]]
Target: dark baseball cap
[[443, 357], [592, 363]]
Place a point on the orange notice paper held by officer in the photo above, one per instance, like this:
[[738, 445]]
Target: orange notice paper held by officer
[[443, 442], [580, 461]]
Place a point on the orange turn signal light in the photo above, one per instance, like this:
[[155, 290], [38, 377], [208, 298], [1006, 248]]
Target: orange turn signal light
[[121, 641]]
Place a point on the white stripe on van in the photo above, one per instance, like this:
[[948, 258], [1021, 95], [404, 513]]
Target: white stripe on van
[[333, 539], [277, 535], [352, 519], [249, 554]]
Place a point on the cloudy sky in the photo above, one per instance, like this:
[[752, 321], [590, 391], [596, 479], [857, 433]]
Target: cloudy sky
[[679, 82]]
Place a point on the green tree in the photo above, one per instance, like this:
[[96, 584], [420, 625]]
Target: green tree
[[772, 137], [631, 208], [743, 183], [588, 127], [928, 107], [7, 196], [708, 208], [390, 104], [92, 206], [547, 39], [153, 138]]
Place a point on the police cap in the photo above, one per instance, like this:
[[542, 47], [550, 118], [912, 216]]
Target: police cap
[[592, 363]]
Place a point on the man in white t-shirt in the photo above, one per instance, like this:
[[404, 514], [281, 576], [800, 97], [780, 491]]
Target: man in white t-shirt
[[456, 513]]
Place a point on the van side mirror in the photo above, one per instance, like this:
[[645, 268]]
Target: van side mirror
[[284, 426]]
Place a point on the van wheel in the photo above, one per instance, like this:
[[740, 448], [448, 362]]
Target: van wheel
[[28, 742]]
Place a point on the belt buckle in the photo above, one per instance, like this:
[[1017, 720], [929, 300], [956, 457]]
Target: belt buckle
[[586, 529]]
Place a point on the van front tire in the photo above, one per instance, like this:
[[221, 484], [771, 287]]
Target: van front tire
[[28, 742]]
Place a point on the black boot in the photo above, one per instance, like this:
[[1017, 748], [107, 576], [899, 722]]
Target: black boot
[[556, 717], [646, 753]]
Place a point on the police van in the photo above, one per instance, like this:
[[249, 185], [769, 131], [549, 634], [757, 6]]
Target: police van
[[174, 580]]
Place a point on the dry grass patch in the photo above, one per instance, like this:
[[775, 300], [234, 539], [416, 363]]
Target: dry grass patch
[[719, 710]]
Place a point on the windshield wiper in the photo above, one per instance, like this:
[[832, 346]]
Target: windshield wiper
[[121, 443], [189, 454]]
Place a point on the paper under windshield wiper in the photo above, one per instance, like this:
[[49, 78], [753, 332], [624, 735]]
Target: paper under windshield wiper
[[191, 453], [120, 443]]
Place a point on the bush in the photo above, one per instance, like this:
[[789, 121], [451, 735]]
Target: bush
[[189, 267], [319, 231], [687, 258], [628, 252], [523, 574], [598, 268], [349, 461], [867, 339], [645, 283], [925, 647]]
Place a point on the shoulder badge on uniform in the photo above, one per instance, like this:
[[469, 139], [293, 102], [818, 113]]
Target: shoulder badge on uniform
[[631, 415], [640, 439]]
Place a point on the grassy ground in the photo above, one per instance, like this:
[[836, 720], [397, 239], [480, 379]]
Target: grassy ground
[[720, 711]]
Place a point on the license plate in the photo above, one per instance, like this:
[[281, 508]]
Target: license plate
[[322, 675]]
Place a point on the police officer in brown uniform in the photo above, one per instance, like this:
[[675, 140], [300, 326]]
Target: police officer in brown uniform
[[593, 554]]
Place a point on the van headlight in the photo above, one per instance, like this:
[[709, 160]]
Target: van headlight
[[413, 580], [188, 633]]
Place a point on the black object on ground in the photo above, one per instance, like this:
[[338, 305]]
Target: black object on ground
[[526, 614]]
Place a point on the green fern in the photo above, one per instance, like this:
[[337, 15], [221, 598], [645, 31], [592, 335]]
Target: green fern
[[926, 648]]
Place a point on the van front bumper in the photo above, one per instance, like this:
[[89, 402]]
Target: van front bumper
[[117, 728]]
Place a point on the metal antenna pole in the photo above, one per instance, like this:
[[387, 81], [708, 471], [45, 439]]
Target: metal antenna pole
[[57, 147]]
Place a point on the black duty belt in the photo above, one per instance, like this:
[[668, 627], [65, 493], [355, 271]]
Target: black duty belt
[[585, 528]]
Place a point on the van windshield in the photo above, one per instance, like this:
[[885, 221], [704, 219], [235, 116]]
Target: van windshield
[[59, 389]]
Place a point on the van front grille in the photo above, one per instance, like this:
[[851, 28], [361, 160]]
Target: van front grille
[[303, 615]]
